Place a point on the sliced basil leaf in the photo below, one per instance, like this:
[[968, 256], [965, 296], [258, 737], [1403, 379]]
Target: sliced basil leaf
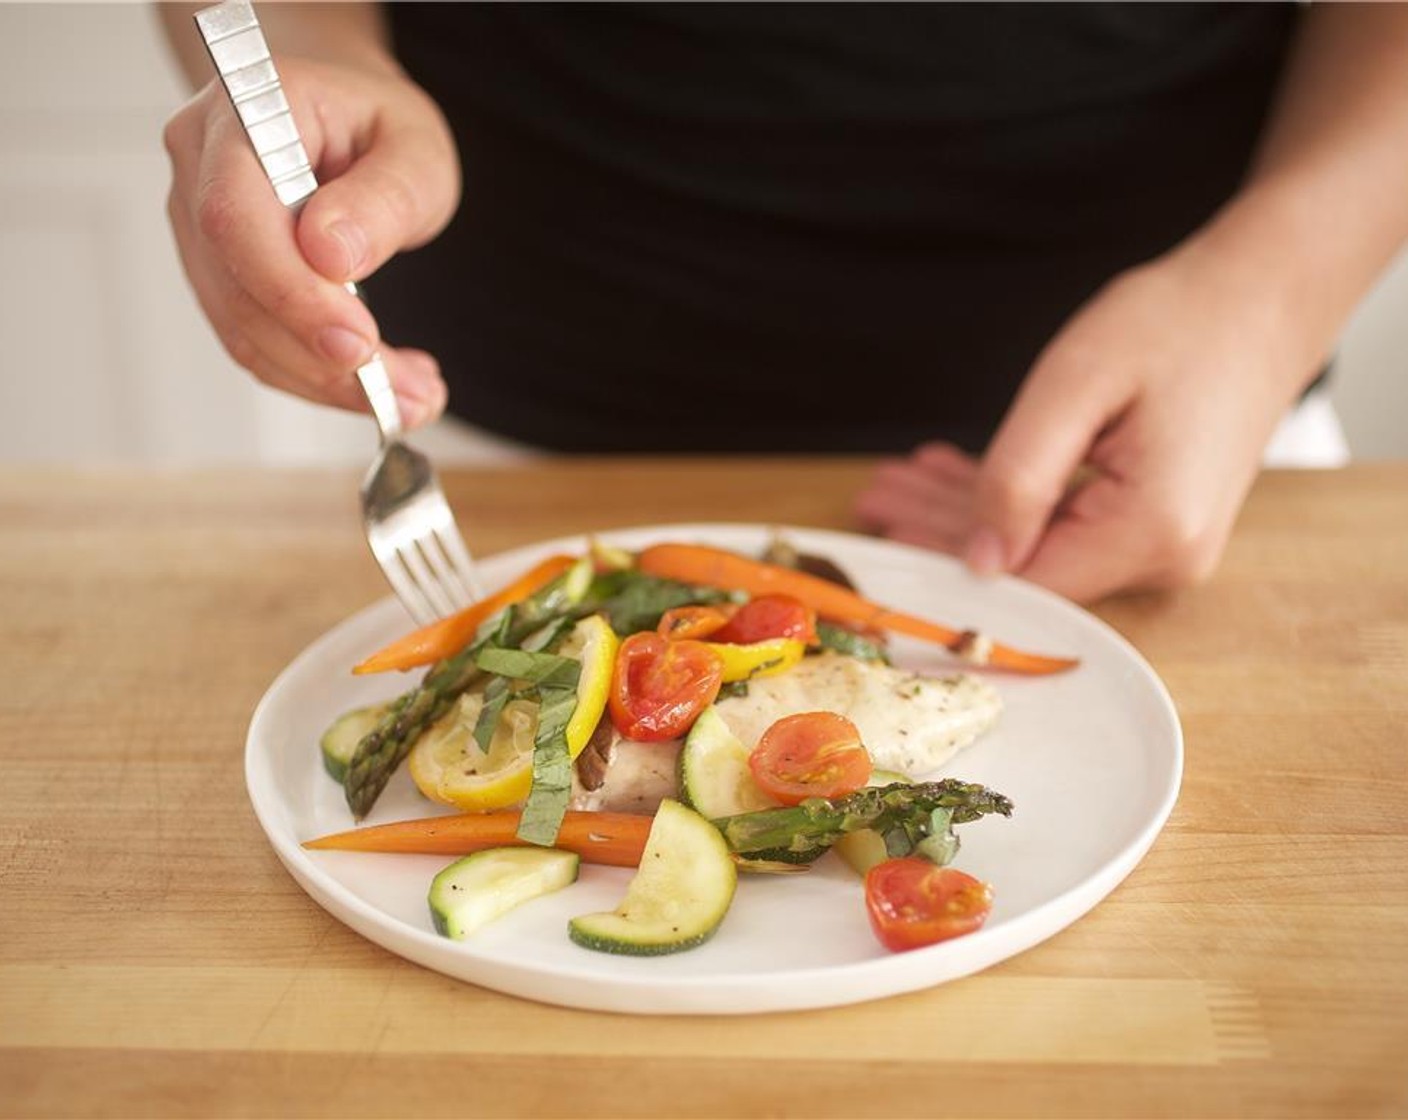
[[733, 689], [496, 696], [552, 766], [838, 638], [639, 602], [547, 670]]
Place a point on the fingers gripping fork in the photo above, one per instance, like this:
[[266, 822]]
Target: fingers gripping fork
[[409, 525]]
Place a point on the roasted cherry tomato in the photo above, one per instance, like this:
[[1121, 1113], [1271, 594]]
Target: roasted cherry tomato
[[913, 903], [769, 616], [693, 622], [810, 754], [660, 686]]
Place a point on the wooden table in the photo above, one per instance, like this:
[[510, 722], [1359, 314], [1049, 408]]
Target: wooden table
[[156, 960]]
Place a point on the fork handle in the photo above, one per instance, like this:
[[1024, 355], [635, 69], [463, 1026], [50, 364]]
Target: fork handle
[[376, 387], [235, 40]]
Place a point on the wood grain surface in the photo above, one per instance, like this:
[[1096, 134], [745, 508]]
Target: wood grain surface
[[156, 960]]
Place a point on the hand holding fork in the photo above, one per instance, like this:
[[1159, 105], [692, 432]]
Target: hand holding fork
[[253, 292]]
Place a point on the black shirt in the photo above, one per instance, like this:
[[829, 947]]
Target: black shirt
[[801, 227]]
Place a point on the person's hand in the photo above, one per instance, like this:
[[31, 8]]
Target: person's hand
[[272, 286], [1124, 459]]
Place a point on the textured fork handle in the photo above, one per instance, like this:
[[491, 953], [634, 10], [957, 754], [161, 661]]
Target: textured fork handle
[[236, 44]]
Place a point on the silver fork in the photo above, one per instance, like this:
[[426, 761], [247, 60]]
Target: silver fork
[[409, 525]]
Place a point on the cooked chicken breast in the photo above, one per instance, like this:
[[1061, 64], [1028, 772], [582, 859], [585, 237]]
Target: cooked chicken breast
[[634, 778], [909, 723]]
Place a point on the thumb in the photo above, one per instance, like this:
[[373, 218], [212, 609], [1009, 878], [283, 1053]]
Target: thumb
[[396, 195], [1045, 436]]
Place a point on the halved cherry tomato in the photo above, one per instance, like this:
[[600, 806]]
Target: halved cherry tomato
[[693, 622], [913, 903], [659, 687], [769, 616], [810, 754]]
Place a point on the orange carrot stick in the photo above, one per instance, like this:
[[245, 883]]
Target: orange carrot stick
[[449, 635], [616, 839], [716, 567]]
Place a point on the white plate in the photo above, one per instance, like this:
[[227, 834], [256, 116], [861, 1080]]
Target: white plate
[[1091, 758]]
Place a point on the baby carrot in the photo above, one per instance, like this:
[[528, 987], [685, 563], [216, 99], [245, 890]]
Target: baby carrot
[[616, 839], [449, 635]]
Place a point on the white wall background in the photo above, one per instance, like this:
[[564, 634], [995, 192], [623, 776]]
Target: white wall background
[[105, 355]]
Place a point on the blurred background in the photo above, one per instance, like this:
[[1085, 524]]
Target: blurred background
[[108, 358]]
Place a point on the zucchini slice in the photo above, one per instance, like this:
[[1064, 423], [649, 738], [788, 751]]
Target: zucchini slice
[[678, 897], [339, 742], [473, 891], [714, 777], [715, 780]]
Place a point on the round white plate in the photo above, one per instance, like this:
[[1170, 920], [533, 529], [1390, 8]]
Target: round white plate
[[1091, 758]]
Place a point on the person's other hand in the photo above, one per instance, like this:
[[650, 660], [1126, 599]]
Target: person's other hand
[[272, 286], [1124, 459]]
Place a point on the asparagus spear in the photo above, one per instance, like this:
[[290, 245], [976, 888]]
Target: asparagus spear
[[384, 747], [905, 815]]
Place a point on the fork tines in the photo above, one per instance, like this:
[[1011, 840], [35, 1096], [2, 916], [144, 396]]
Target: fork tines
[[425, 560]]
